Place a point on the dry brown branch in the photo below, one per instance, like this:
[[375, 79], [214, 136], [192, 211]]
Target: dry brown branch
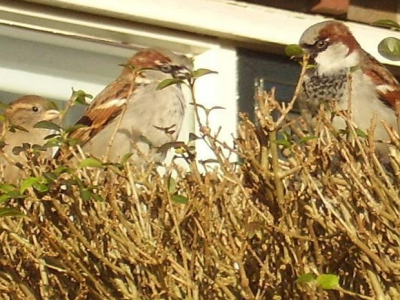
[[243, 230]]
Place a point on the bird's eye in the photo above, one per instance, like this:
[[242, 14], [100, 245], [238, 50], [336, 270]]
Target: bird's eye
[[321, 44], [35, 109], [166, 68]]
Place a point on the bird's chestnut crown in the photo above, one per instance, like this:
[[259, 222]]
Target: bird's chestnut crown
[[320, 36], [161, 60]]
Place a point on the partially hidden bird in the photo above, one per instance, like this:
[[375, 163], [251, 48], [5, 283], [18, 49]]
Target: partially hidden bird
[[131, 115], [18, 128], [371, 88]]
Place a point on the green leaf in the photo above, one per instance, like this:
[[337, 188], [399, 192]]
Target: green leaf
[[91, 162], [165, 147], [167, 82], [53, 142], [53, 105], [17, 150], [294, 50], [97, 198], [6, 187], [306, 139], [50, 176], [47, 125], [80, 96], [10, 212], [390, 48], [26, 146], [85, 194], [202, 72], [355, 68], [38, 148], [387, 24], [61, 169], [27, 183], [180, 199], [41, 187], [72, 142], [361, 133], [193, 137], [126, 157], [309, 277], [310, 66], [4, 198], [15, 194], [73, 128], [2, 118], [11, 194], [145, 140], [14, 128], [180, 150], [171, 185], [284, 143], [328, 281], [50, 136]]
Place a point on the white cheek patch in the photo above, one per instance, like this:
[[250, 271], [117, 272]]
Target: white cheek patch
[[336, 58], [112, 103]]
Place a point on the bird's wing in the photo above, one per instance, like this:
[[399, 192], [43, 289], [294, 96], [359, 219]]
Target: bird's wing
[[387, 86], [106, 107]]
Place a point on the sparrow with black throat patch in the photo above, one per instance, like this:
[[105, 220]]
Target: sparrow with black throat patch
[[335, 54]]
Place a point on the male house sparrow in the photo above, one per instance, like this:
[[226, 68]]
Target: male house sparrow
[[24, 112], [336, 53], [151, 118]]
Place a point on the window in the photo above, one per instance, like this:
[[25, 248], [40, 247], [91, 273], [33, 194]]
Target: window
[[277, 71]]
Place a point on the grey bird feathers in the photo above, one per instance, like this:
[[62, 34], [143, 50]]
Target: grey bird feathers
[[146, 117]]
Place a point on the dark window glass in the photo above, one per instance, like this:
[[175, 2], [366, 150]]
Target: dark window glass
[[276, 71]]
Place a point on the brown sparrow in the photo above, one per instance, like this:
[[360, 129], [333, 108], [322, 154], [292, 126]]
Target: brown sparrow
[[146, 117], [23, 114], [335, 54]]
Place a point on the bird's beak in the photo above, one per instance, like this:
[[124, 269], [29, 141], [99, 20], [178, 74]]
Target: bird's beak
[[182, 73], [311, 54], [51, 114], [307, 52]]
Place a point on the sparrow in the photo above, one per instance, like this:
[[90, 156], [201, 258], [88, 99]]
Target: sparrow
[[334, 54], [131, 115], [17, 128]]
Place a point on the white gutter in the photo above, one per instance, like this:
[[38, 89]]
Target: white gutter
[[226, 19]]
